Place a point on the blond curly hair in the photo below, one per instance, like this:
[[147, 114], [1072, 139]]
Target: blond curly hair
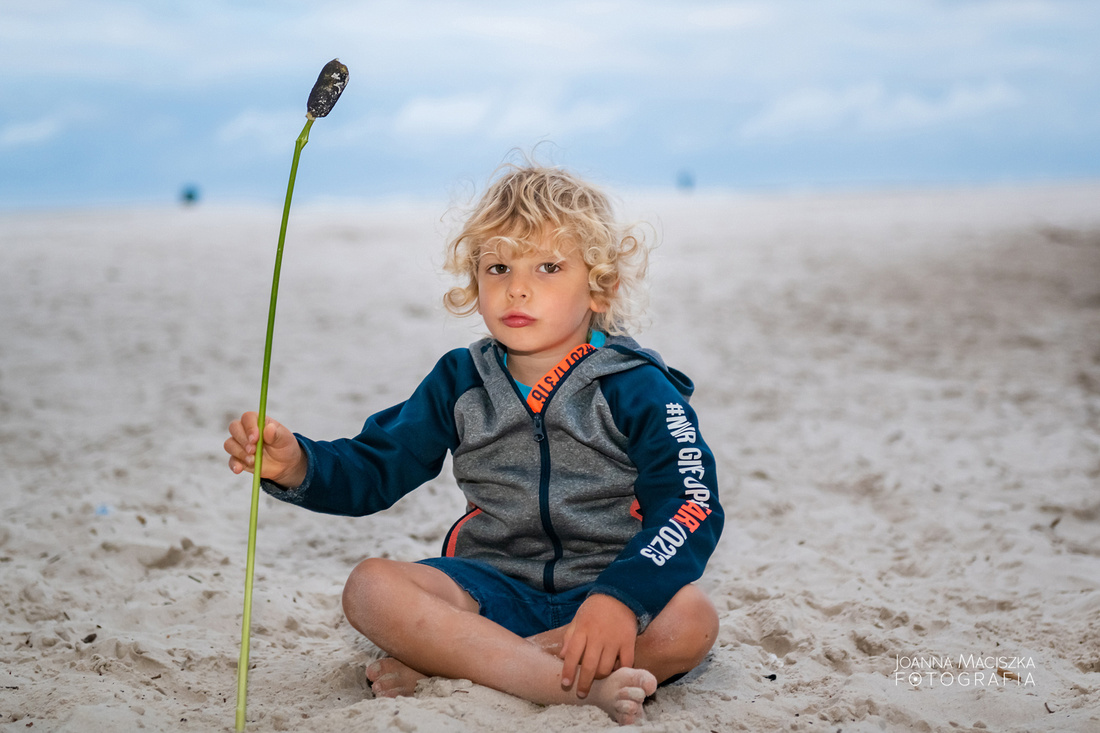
[[527, 204]]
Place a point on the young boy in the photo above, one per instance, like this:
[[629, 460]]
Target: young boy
[[592, 497]]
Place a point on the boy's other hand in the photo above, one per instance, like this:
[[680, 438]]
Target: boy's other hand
[[602, 633], [284, 462]]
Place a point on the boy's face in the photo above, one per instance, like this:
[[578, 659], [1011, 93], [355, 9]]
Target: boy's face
[[536, 303]]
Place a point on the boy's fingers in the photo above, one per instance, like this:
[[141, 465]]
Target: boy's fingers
[[571, 657], [565, 640], [607, 663], [233, 447], [626, 657], [244, 434], [599, 664], [271, 432], [237, 431], [248, 422], [589, 668], [238, 465]]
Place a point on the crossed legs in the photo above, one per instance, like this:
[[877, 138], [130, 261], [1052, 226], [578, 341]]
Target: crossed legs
[[431, 627]]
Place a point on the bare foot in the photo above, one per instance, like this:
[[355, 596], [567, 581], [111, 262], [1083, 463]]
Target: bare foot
[[622, 693], [391, 678]]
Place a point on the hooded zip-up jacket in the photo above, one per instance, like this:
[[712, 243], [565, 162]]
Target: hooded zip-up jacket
[[599, 476]]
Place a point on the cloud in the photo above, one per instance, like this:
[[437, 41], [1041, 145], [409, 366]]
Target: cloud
[[526, 30], [871, 108], [726, 16], [625, 85], [502, 117], [47, 128], [25, 134], [264, 131], [442, 117], [535, 118]]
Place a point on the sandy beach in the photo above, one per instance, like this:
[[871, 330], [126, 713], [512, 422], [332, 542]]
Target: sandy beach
[[902, 390]]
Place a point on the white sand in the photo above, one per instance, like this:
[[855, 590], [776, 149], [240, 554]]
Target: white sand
[[903, 391]]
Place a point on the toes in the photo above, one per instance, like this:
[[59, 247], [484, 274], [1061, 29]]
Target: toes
[[381, 684], [389, 685], [628, 708], [390, 678], [628, 712], [384, 687], [647, 682]]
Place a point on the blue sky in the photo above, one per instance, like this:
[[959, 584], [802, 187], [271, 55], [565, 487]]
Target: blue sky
[[119, 102]]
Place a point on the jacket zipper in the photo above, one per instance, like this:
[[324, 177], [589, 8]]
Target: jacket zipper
[[539, 427], [544, 501]]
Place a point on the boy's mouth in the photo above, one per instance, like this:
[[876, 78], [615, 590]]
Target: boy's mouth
[[517, 320]]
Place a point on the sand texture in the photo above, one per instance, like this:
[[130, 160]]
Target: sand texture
[[902, 391]]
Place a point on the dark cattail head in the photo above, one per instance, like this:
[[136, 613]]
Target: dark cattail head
[[330, 83]]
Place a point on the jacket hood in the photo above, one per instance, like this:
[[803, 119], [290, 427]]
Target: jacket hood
[[628, 346]]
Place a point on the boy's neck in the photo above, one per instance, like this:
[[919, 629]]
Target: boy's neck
[[528, 369]]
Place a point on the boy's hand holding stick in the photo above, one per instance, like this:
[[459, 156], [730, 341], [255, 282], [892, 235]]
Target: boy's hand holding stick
[[330, 83]]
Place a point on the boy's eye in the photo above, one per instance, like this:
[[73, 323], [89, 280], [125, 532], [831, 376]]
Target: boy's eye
[[497, 269], [549, 267]]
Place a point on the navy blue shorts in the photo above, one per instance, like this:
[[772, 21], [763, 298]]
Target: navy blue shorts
[[509, 602]]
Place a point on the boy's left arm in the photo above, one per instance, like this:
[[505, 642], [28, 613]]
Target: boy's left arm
[[676, 491]]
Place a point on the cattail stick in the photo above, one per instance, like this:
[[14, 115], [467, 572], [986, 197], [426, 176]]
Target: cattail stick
[[330, 84]]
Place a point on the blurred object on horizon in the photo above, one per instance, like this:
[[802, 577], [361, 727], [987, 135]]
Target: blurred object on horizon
[[685, 181]]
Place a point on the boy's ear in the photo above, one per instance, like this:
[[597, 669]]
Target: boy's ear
[[601, 302]]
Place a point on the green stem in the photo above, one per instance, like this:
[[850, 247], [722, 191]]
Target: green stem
[[261, 420]]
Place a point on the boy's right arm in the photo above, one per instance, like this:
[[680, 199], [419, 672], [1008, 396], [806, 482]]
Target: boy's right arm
[[284, 461], [397, 450]]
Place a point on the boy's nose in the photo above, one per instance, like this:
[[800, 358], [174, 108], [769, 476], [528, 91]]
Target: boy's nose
[[518, 288]]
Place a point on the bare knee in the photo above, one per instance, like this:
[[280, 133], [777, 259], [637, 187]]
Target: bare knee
[[682, 635], [382, 592], [367, 579], [698, 623], [705, 629]]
